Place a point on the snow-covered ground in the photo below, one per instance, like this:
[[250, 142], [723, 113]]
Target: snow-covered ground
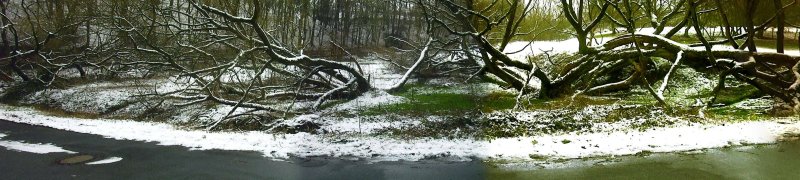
[[520, 50], [352, 136], [97, 97], [378, 72], [555, 146]]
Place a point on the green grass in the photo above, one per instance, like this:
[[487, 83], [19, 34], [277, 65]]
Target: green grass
[[577, 102], [789, 44], [733, 114], [443, 103], [497, 101], [731, 95]]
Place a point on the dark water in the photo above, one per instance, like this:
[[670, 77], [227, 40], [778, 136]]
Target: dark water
[[144, 160], [779, 161]]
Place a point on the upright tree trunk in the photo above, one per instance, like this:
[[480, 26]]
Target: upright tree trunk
[[780, 25], [6, 43], [510, 25], [583, 45], [751, 32], [15, 67], [727, 30], [6, 48]]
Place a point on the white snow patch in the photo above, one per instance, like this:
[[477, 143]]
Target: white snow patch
[[520, 50], [670, 139], [106, 161], [538, 47], [172, 84], [31, 148], [379, 73], [91, 98], [680, 138], [368, 124]]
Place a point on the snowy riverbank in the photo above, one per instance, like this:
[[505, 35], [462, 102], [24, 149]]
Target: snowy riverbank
[[370, 135], [558, 146]]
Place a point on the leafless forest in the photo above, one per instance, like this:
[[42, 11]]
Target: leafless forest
[[254, 54]]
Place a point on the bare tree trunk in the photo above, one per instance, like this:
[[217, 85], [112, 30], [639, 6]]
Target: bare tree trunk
[[422, 56], [751, 32], [780, 26], [728, 29], [576, 21], [14, 51]]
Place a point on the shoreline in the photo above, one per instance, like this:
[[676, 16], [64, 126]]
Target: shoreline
[[378, 149]]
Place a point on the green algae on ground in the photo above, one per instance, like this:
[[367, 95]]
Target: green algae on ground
[[443, 101], [734, 114]]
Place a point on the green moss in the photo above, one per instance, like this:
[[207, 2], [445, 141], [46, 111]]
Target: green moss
[[627, 112], [644, 153], [430, 103], [497, 101], [441, 101], [537, 157], [731, 95], [576, 102], [735, 114], [772, 44]]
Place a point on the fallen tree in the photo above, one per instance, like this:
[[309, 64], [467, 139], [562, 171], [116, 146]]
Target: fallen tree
[[774, 74], [230, 57], [260, 75]]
